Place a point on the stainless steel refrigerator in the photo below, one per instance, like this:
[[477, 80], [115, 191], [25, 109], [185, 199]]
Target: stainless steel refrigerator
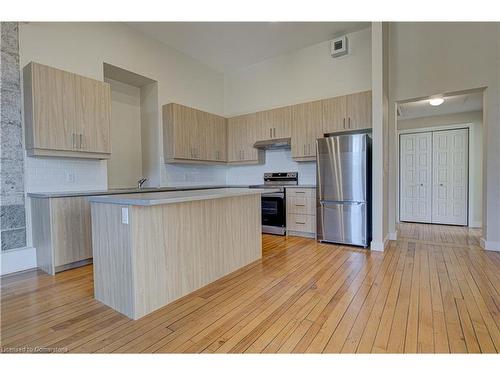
[[344, 189]]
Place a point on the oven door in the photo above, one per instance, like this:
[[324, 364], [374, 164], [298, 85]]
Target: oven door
[[273, 213]]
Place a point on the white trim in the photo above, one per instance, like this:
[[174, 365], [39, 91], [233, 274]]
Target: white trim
[[379, 246], [490, 245], [18, 260], [393, 236], [475, 224]]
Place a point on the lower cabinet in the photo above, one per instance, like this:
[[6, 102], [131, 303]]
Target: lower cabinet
[[301, 211], [61, 232]]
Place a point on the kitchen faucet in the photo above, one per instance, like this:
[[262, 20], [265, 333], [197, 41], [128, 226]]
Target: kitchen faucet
[[141, 182]]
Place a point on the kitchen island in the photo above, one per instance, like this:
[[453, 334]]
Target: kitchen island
[[151, 249]]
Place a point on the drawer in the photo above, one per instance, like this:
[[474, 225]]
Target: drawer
[[301, 192], [301, 223], [300, 205]]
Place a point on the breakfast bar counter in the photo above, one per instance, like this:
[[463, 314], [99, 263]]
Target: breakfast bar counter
[[151, 249]]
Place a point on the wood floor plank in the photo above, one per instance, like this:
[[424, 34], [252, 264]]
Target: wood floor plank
[[432, 290]]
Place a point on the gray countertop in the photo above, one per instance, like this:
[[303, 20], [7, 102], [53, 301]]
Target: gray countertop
[[168, 197], [89, 193]]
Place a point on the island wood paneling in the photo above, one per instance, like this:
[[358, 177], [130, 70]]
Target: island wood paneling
[[170, 250]]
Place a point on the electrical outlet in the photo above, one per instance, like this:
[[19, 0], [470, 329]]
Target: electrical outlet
[[124, 215], [70, 177]]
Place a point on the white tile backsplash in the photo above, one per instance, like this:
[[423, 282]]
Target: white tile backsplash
[[51, 174], [276, 161], [186, 174]]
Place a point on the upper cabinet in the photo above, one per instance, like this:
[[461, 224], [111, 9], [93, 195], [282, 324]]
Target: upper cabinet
[[243, 132], [275, 123], [359, 110], [307, 126], [193, 136], [349, 112], [65, 114], [190, 135]]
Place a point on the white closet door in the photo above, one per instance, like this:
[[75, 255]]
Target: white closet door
[[416, 175], [450, 187]]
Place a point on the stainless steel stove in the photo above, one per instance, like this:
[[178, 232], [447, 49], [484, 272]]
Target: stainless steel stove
[[274, 204]]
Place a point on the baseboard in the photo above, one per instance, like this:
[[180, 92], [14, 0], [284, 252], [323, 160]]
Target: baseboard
[[475, 224], [393, 236], [18, 260], [490, 245], [379, 246]]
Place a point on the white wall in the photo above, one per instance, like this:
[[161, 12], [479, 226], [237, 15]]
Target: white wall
[[82, 48], [429, 58], [380, 148], [296, 77], [300, 76], [474, 119], [275, 161], [125, 165]]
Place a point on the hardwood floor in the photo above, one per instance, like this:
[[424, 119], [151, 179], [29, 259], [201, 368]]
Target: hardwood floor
[[433, 290]]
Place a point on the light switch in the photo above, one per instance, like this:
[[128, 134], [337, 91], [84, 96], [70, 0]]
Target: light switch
[[124, 215]]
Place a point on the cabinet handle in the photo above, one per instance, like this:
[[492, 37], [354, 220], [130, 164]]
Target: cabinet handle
[[300, 205], [243, 153], [300, 192], [299, 222], [271, 132], [349, 122], [74, 140], [81, 140], [344, 122]]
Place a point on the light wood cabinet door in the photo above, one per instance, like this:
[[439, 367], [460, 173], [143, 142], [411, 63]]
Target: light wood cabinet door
[[242, 133], [359, 110], [65, 114], [334, 114], [71, 230], [275, 123], [93, 107], [220, 144], [179, 129], [49, 108], [306, 127]]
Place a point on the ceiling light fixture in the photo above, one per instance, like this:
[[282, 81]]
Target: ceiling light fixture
[[436, 101]]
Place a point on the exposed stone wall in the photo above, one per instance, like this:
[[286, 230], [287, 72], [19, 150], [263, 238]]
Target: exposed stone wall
[[13, 216]]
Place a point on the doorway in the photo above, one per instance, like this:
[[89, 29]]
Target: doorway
[[440, 161]]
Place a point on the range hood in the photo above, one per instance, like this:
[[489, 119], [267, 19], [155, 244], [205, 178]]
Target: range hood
[[274, 144]]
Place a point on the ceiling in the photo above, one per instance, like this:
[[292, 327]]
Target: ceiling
[[452, 104], [228, 46]]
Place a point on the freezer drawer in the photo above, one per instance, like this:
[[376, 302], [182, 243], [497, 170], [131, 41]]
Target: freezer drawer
[[343, 222]]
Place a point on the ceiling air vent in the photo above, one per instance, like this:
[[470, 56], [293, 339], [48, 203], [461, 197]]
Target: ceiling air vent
[[338, 46]]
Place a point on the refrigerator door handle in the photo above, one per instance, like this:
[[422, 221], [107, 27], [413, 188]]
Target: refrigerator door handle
[[323, 202]]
